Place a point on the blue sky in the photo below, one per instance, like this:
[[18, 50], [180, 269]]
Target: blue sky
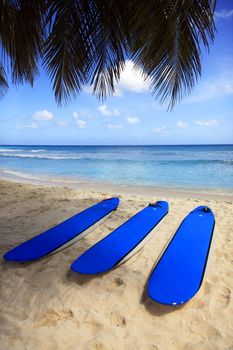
[[31, 115]]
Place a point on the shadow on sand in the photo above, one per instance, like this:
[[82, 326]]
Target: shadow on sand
[[155, 308], [82, 279], [152, 307]]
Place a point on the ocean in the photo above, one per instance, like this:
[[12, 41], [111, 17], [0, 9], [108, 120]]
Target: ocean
[[207, 167]]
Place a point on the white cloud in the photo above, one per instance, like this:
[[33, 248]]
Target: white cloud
[[115, 126], [28, 126], [131, 79], [133, 120], [81, 124], [43, 115], [181, 124], [84, 113], [208, 122], [209, 90], [106, 112], [160, 130], [75, 115], [224, 14]]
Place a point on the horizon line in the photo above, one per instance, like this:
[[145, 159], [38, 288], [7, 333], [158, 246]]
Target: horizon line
[[116, 145]]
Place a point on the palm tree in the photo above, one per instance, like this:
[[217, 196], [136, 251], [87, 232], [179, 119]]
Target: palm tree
[[81, 42]]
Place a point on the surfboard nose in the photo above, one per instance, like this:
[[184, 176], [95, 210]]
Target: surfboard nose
[[163, 205], [203, 209], [115, 201]]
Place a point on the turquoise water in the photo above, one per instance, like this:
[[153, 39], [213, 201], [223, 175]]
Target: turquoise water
[[190, 167]]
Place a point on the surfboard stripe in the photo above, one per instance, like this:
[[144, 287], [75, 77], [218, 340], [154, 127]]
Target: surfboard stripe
[[111, 250], [54, 238], [179, 272]]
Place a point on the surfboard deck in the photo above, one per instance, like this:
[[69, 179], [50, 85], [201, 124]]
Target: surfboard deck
[[63, 234], [179, 272], [122, 242]]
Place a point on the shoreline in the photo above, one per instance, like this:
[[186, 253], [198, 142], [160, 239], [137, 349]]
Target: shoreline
[[98, 186]]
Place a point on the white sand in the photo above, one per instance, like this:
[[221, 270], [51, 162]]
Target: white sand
[[46, 306]]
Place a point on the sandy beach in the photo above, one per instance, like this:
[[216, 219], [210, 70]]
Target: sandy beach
[[44, 305], [129, 101]]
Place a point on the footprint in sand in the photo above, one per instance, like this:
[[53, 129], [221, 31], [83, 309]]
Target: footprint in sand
[[118, 320], [100, 346], [93, 325], [41, 268], [150, 347], [230, 348], [52, 317], [118, 282], [224, 296]]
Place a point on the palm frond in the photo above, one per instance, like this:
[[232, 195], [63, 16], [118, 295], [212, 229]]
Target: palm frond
[[21, 32], [166, 43], [108, 38], [67, 49], [83, 42], [3, 81]]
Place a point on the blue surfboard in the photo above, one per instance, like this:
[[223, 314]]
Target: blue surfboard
[[62, 235], [123, 242], [179, 272]]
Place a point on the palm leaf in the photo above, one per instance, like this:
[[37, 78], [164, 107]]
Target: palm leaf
[[168, 46], [21, 33], [83, 42], [108, 38], [67, 49], [3, 81]]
